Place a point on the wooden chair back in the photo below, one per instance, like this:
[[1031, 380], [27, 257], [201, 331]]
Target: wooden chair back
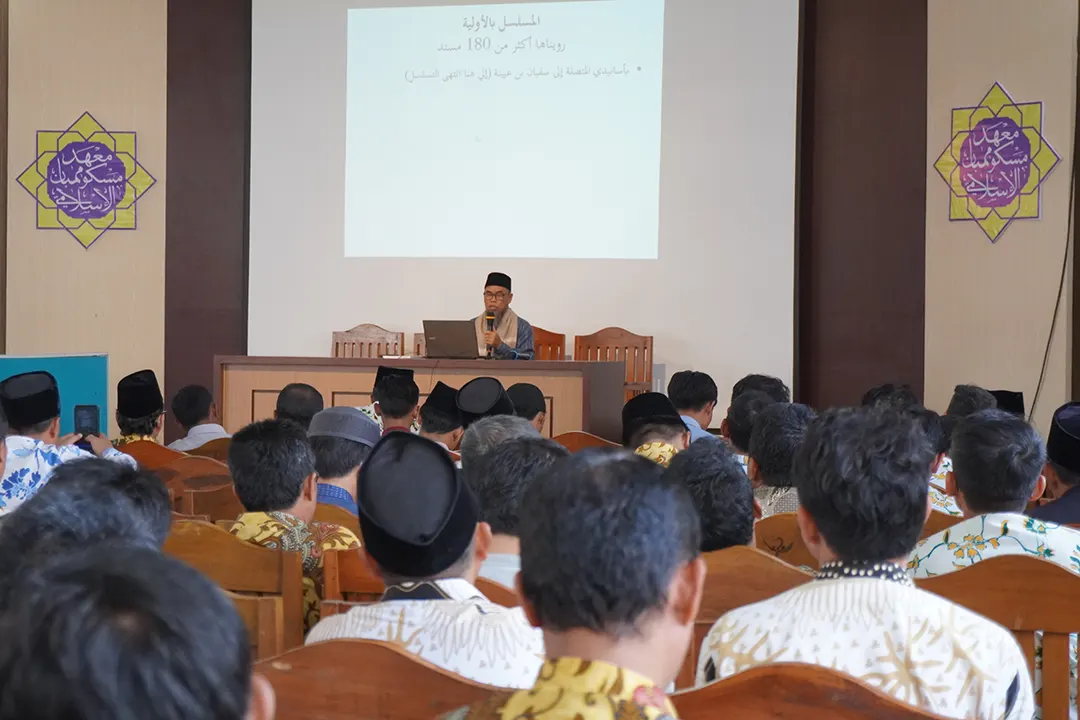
[[181, 517], [1024, 594], [614, 344], [347, 679], [938, 522], [242, 567], [368, 341], [498, 593], [779, 536], [264, 619], [419, 344], [218, 503], [336, 515], [150, 455], [793, 690], [549, 345], [215, 450], [577, 440], [194, 473]]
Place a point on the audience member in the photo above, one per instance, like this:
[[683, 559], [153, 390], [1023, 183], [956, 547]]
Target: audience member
[[721, 493], [529, 403], [341, 438], [483, 397], [486, 434], [966, 400], [34, 448], [140, 408], [861, 477], [694, 396], [1010, 401], [740, 421], [933, 427], [652, 427], [298, 402], [777, 436], [499, 481], [273, 471], [397, 398], [1062, 469], [772, 386], [195, 410], [428, 555], [894, 396], [610, 571], [440, 419], [122, 633], [381, 374]]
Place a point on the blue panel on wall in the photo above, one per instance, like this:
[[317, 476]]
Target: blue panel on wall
[[83, 380]]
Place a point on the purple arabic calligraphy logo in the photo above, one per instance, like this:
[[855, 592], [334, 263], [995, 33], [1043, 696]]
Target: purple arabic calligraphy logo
[[995, 162], [86, 180]]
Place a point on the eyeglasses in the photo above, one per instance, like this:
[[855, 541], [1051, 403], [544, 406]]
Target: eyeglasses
[[500, 296]]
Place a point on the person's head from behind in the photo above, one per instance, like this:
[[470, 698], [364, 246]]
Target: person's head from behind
[[777, 435], [529, 403], [694, 394], [862, 478], [933, 426], [440, 419], [194, 405], [970, 399], [610, 558], [298, 402], [997, 463], [898, 396], [772, 386], [341, 439], [742, 416], [273, 469], [122, 633], [31, 404], [651, 418], [396, 398], [500, 479], [409, 541], [1062, 469], [486, 434], [721, 493], [140, 406]]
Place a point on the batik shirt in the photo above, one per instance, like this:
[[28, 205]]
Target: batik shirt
[[938, 499], [30, 464], [568, 689], [872, 623], [660, 453], [450, 624], [282, 531], [776, 500], [128, 439], [369, 410], [985, 536]]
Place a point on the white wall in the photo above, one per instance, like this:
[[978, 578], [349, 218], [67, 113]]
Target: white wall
[[718, 299]]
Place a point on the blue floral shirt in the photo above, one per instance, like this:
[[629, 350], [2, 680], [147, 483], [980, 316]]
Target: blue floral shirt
[[30, 463]]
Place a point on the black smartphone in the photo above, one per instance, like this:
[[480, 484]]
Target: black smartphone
[[87, 420]]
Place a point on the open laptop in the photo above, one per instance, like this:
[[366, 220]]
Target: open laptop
[[450, 339]]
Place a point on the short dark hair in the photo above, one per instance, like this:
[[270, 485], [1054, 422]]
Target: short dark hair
[[692, 390], [337, 457], [269, 461], [122, 633], [997, 458], [396, 394], [191, 405], [138, 426], [721, 493], [35, 429], [146, 491], [657, 431], [863, 476], [744, 411], [436, 421], [298, 402], [604, 535], [774, 387], [897, 396], [486, 434], [500, 478], [777, 436], [934, 427], [968, 399]]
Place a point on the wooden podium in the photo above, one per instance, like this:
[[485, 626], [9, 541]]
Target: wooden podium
[[580, 395]]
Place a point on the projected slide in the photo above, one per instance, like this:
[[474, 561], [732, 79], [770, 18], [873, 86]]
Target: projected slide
[[516, 130]]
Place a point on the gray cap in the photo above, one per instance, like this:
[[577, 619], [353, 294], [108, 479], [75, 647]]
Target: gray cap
[[347, 423]]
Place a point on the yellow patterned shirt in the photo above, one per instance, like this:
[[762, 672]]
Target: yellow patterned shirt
[[660, 453], [282, 531], [938, 499], [126, 439], [572, 689]]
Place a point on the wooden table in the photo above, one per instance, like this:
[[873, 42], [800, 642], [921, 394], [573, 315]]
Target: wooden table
[[580, 395]]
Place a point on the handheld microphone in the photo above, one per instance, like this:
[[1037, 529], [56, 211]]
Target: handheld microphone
[[490, 320]]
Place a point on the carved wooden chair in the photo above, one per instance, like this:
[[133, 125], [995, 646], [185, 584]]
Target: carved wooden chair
[[419, 345], [779, 536], [368, 341], [937, 522], [217, 503], [193, 473], [215, 450], [150, 455], [264, 619], [577, 440], [614, 344], [549, 345], [336, 515]]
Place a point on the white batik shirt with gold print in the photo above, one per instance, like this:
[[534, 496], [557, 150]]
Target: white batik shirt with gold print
[[938, 499], [911, 644], [466, 634]]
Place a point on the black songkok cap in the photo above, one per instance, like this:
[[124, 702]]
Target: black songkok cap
[[528, 399], [647, 408], [498, 279], [1010, 401], [1063, 443], [386, 371], [29, 399], [483, 397], [138, 395], [416, 515], [443, 399]]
